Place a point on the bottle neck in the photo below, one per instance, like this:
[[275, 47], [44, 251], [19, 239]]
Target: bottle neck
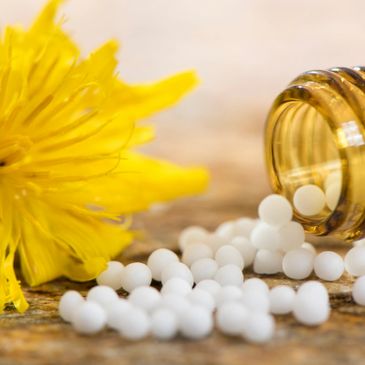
[[315, 135]]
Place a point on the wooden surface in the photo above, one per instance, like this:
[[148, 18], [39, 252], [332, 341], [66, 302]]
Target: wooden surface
[[238, 183]]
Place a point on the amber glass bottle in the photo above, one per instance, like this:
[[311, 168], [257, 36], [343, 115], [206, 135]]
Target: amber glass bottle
[[315, 134]]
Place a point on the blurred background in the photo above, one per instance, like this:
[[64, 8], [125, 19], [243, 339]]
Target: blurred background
[[245, 52]]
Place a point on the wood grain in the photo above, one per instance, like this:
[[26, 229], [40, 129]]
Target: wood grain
[[238, 183]]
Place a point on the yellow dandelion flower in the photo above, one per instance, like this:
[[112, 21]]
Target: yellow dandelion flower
[[68, 166]]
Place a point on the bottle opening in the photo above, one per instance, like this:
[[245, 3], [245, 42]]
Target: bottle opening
[[303, 151]]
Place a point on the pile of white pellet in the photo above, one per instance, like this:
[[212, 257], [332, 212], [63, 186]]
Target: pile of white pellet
[[206, 287]]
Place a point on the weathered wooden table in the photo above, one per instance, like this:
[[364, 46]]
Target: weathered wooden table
[[238, 183]]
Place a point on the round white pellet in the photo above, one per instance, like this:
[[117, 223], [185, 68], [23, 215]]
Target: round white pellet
[[311, 310], [259, 327], [89, 318], [68, 304], [265, 236], [196, 323], [358, 291], [255, 300], [145, 297], [228, 294], [334, 177], [112, 276], [102, 295], [245, 247], [229, 255], [329, 266], [256, 284], [226, 230], [193, 234], [203, 269], [313, 288], [135, 325], [176, 286], [333, 193], [229, 275], [231, 318], [209, 285], [164, 324], [275, 210], [298, 263], [268, 262], [177, 270], [281, 299], [355, 261], [244, 226], [291, 236], [159, 259], [201, 297], [309, 247], [196, 251], [115, 312], [135, 275], [309, 200], [174, 302], [215, 242]]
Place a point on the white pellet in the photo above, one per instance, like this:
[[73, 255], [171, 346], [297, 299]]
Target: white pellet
[[268, 262], [159, 259], [176, 286], [209, 285], [310, 309], [313, 288], [135, 324], [308, 246], [256, 284], [135, 275], [255, 300], [281, 299], [229, 275], [115, 312], [102, 295], [177, 270], [229, 255], [112, 276], [333, 178], [164, 324], [333, 193], [215, 242], [196, 251], [244, 226], [309, 200], [231, 318], [265, 236], [259, 327], [291, 236], [245, 247], [275, 210], [204, 269], [226, 230], [175, 302], [145, 297], [193, 234], [355, 261], [358, 291], [201, 297], [298, 263], [329, 266], [196, 322], [68, 304], [89, 318], [227, 294], [360, 242]]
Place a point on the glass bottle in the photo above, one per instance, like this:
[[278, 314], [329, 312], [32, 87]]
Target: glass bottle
[[315, 134]]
